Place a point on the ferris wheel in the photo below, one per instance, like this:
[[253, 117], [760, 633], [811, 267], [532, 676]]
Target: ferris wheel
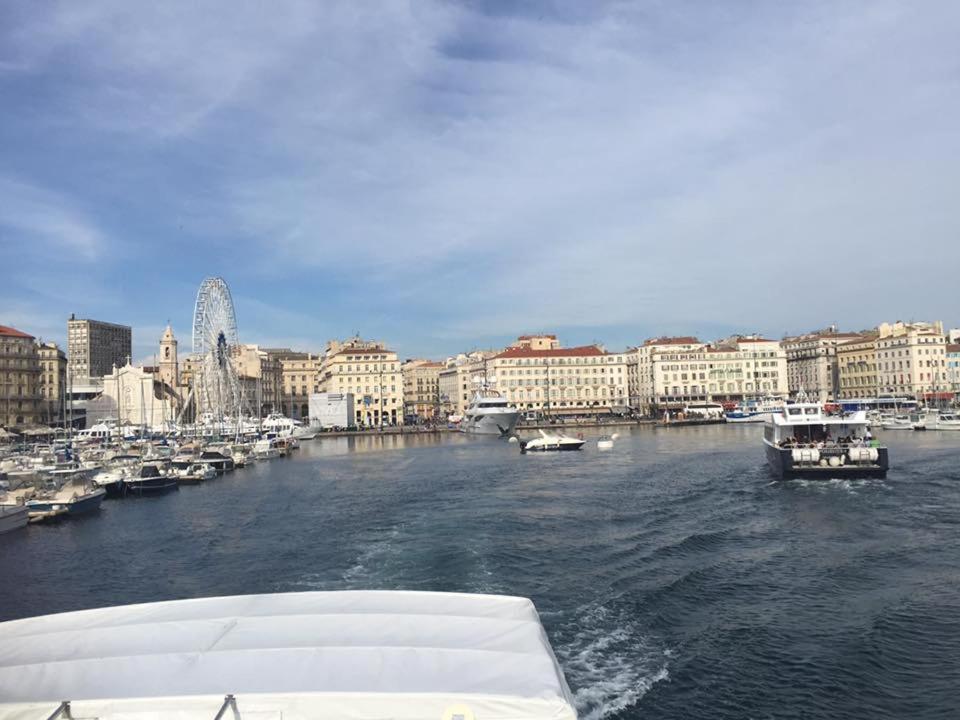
[[216, 385]]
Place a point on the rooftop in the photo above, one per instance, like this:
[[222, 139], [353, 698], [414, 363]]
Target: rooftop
[[682, 340], [6, 331], [525, 352]]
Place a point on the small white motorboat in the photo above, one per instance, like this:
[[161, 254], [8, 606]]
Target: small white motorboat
[[551, 442], [605, 442]]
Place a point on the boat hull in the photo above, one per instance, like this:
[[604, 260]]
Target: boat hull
[[783, 465], [494, 423], [150, 486], [13, 517], [86, 503]]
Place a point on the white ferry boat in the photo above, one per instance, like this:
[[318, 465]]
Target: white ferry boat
[[804, 441], [489, 414], [357, 655], [754, 411]]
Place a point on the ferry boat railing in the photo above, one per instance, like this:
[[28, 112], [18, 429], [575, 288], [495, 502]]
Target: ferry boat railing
[[63, 711]]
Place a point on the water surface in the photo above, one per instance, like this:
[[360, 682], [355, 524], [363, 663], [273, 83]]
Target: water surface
[[675, 577]]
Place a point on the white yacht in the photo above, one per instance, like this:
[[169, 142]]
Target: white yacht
[[897, 422], [805, 441], [489, 414], [287, 427]]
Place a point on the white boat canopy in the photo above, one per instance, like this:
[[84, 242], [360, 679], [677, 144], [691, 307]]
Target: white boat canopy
[[363, 655]]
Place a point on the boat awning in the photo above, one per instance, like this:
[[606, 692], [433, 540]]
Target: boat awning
[[359, 655]]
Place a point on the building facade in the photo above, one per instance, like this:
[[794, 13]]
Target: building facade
[[133, 396], [812, 363], [261, 379], [911, 359], [53, 383], [301, 379], [536, 374], [671, 373], [857, 367], [95, 348], [421, 389], [459, 380], [372, 373], [20, 399], [953, 367]]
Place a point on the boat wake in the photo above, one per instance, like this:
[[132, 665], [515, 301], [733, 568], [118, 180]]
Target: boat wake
[[842, 484], [608, 660]]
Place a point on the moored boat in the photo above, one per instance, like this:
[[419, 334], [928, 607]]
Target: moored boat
[[195, 474], [151, 480], [804, 441], [551, 442], [12, 517], [74, 498]]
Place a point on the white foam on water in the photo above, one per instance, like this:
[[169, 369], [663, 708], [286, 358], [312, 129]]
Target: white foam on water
[[373, 562], [840, 484], [608, 661]]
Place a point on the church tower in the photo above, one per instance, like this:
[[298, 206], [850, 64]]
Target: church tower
[[169, 369]]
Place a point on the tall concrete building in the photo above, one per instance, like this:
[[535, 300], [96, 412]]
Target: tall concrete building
[[95, 348], [20, 400]]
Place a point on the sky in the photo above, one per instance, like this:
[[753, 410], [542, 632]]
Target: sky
[[444, 176]]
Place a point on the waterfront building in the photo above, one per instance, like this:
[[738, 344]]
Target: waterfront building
[[133, 396], [460, 378], [857, 367], [953, 368], [640, 368], [20, 399], [812, 363], [536, 374], [261, 379], [95, 348], [421, 388], [911, 359], [53, 382], [671, 373], [370, 371], [301, 379]]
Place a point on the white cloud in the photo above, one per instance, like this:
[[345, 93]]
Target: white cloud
[[642, 164], [29, 215]]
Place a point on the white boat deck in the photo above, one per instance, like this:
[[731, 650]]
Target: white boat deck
[[357, 655]]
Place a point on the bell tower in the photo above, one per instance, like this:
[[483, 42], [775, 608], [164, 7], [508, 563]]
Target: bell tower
[[169, 369]]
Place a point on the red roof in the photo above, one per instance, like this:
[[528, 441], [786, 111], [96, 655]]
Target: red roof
[[953, 348], [13, 332], [685, 340], [525, 352]]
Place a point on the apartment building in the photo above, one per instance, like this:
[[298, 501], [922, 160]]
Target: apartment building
[[20, 399], [812, 363], [53, 382], [461, 377], [857, 367], [536, 374], [670, 373], [912, 359], [301, 379], [421, 388], [372, 373]]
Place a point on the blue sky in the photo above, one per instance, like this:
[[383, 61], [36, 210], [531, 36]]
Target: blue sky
[[447, 175]]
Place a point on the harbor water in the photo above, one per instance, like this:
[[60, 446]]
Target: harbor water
[[675, 577]]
